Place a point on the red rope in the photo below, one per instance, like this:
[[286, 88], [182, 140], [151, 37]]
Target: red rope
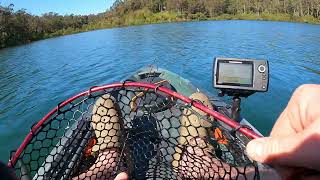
[[215, 114]]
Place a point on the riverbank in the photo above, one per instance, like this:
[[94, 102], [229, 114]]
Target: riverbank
[[269, 17], [143, 17]]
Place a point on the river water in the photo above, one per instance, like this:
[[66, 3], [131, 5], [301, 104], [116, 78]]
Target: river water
[[35, 77]]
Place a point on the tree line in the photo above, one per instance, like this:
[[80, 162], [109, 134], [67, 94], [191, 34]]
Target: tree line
[[18, 27], [212, 8]]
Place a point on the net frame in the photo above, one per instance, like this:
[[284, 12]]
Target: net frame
[[147, 86]]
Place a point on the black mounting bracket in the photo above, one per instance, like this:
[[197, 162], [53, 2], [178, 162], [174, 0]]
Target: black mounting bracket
[[236, 100]]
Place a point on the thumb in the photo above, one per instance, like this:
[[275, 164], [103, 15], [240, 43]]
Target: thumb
[[122, 176], [275, 150]]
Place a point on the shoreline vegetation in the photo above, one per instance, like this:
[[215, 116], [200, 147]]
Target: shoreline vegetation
[[146, 17], [20, 27]]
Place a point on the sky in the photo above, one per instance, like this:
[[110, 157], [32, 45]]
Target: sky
[[77, 7]]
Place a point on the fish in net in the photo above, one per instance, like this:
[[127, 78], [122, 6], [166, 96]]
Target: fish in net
[[143, 129]]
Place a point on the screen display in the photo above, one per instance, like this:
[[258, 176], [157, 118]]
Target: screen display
[[239, 74]]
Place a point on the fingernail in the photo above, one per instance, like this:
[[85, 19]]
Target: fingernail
[[255, 148]]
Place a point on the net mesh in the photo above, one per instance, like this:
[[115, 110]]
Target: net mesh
[[145, 133]]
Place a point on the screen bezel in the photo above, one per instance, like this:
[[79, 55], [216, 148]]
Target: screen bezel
[[235, 62]]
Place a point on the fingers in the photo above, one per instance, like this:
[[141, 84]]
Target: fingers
[[270, 149], [283, 127], [301, 111], [299, 150], [122, 176], [294, 140]]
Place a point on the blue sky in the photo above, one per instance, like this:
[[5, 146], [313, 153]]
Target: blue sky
[[78, 7]]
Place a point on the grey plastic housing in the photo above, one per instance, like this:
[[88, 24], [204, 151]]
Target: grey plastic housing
[[260, 75]]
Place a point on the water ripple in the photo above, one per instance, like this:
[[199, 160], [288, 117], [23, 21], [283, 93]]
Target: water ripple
[[34, 78]]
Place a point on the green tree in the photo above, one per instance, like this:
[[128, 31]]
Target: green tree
[[17, 27]]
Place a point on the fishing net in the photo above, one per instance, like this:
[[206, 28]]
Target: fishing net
[[145, 130]]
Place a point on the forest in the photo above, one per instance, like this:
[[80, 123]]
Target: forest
[[19, 26]]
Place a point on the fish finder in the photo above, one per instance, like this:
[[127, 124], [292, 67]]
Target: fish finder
[[241, 77]]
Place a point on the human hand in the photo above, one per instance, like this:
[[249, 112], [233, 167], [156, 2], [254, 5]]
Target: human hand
[[294, 141], [122, 176]]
